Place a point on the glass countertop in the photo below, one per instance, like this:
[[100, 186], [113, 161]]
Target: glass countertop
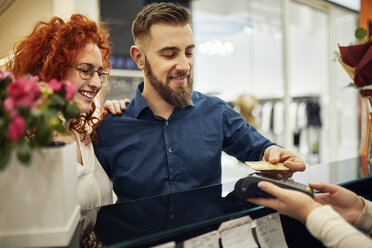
[[176, 216]]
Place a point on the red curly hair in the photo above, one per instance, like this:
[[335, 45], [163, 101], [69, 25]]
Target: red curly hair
[[51, 49]]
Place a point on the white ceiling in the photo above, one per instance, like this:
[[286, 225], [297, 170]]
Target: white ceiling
[[225, 21], [352, 4]]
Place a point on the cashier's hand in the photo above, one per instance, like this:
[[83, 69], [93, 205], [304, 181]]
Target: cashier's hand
[[114, 107], [275, 154], [289, 202], [345, 202]]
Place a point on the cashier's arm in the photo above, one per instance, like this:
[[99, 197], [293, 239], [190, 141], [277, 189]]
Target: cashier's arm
[[275, 154]]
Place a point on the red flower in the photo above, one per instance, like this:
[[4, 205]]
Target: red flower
[[24, 91], [359, 57], [16, 128]]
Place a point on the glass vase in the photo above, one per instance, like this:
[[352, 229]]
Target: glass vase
[[366, 136]]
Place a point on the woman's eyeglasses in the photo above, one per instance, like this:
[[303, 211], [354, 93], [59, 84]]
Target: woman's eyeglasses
[[86, 72]]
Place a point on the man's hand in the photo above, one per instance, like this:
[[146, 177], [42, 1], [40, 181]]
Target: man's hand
[[345, 202], [114, 107], [288, 202], [275, 154]]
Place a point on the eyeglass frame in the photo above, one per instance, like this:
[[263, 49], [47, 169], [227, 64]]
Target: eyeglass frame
[[103, 77]]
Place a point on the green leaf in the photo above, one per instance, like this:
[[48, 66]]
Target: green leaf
[[360, 33], [23, 152], [71, 111], [3, 85], [49, 114], [43, 135], [2, 123], [5, 152], [61, 128], [57, 101], [337, 55], [350, 85]]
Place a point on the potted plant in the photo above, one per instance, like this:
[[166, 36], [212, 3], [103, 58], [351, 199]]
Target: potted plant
[[357, 62], [356, 59], [37, 178]]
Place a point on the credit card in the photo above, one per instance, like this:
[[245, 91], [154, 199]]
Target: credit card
[[264, 165]]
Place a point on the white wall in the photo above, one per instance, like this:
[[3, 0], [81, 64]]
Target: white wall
[[19, 19]]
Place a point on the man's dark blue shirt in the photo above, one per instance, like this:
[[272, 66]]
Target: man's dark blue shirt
[[146, 155]]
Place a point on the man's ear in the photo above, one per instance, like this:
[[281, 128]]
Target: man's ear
[[138, 56]]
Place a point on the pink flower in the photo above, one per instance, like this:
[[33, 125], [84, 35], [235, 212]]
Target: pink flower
[[9, 104], [5, 74], [36, 104], [16, 128], [70, 90], [24, 90], [55, 85]]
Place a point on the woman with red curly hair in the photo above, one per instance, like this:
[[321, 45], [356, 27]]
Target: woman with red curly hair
[[77, 51]]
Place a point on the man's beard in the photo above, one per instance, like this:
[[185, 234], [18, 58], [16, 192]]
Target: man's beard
[[178, 97]]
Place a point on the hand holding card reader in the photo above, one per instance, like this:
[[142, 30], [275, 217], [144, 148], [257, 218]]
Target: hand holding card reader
[[247, 187]]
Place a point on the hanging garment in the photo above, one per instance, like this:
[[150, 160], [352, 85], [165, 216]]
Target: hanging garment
[[278, 118], [266, 117]]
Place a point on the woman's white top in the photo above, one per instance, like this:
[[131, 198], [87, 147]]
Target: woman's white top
[[94, 186], [332, 230]]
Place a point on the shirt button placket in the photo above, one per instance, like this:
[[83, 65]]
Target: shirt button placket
[[168, 143]]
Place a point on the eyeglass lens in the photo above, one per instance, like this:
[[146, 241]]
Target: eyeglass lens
[[86, 71]]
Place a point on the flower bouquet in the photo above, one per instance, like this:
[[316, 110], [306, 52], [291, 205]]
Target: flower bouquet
[[357, 62], [30, 111]]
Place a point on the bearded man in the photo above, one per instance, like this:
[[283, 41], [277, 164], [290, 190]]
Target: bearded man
[[170, 138]]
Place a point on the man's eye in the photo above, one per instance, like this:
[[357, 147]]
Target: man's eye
[[189, 53]]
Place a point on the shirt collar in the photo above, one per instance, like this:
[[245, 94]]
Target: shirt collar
[[140, 103], [191, 101]]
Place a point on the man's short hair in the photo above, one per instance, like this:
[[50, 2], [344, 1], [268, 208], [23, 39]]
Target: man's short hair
[[166, 13]]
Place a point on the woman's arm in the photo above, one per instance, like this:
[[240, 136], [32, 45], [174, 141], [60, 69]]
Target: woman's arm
[[323, 222], [345, 202], [288, 202]]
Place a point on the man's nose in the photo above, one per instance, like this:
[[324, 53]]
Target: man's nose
[[183, 63]]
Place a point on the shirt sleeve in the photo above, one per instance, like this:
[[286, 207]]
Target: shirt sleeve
[[241, 139], [332, 230], [364, 222]]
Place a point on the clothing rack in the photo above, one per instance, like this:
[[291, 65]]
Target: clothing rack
[[305, 123]]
